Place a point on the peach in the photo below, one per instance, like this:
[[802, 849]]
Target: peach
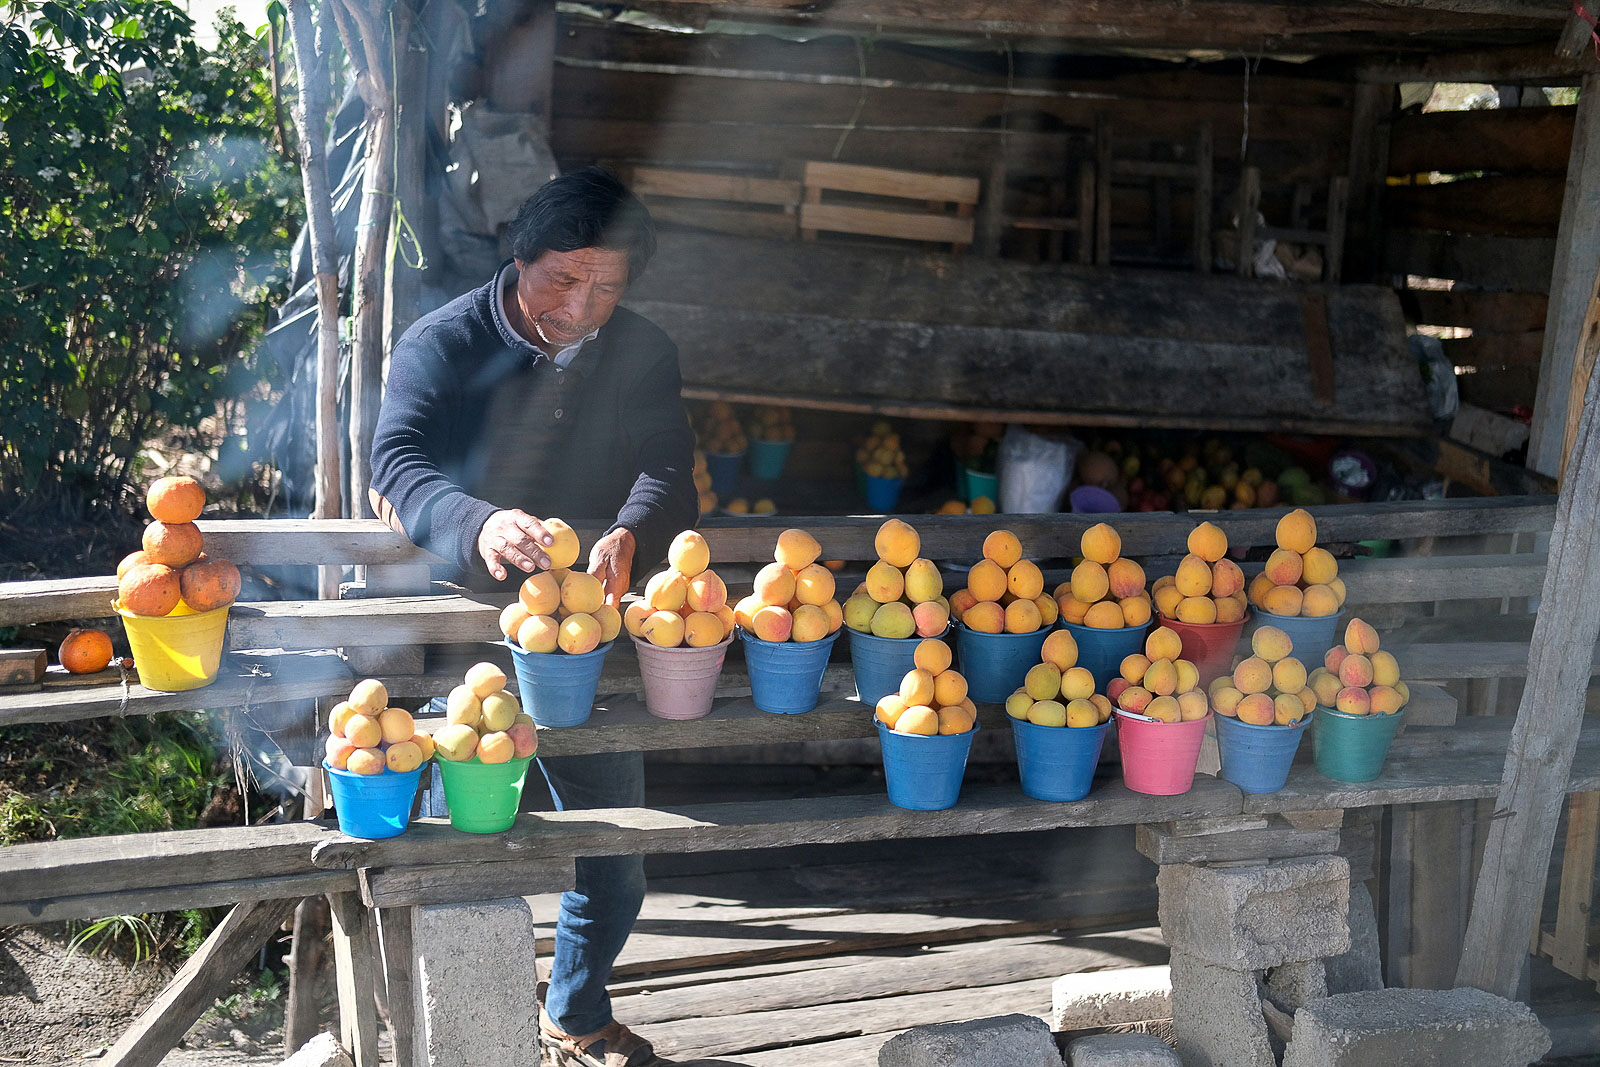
[[949, 688], [524, 740], [894, 620], [1082, 713], [610, 620], [482, 678], [986, 617], [1226, 578], [923, 581], [1258, 589], [1049, 612], [1385, 671], [363, 731], [1318, 602], [706, 591], [931, 617], [665, 629], [1193, 705], [1334, 657], [1161, 677], [370, 695], [512, 616], [774, 585], [917, 686], [1048, 713], [1360, 637], [772, 623], [858, 612], [1135, 610], [1252, 675], [1385, 700], [1297, 531], [808, 623], [1072, 609], [582, 593], [175, 498], [337, 751], [689, 554], [1271, 643], [1188, 675], [580, 633], [365, 761], [1308, 699], [1222, 681], [955, 720], [1017, 704], [1353, 700], [724, 615], [1163, 643], [1289, 675], [1025, 580], [1043, 681], [456, 742], [1356, 670], [960, 601], [1324, 686], [1165, 708], [1135, 698], [1125, 578], [339, 716], [1283, 567], [463, 706], [1103, 705], [542, 633], [1338, 590], [1163, 582], [1022, 617], [1060, 648], [496, 747], [1106, 615], [1102, 544], [1226, 700], [563, 551], [796, 550], [1287, 708], [1117, 686], [1133, 667], [1208, 542], [1003, 547], [1257, 708], [1201, 610], [896, 543], [403, 756], [396, 725], [1318, 567], [1283, 600], [540, 594], [890, 708], [424, 743], [132, 559], [1090, 583], [1193, 577], [151, 589], [885, 582], [1230, 609], [209, 584], [1167, 600], [172, 544], [500, 710], [1076, 682]]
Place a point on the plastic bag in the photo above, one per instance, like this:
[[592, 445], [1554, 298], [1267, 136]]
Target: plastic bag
[[1035, 471]]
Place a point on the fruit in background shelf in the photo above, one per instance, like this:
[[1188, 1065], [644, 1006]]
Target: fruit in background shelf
[[702, 483], [720, 431], [772, 423], [880, 455]]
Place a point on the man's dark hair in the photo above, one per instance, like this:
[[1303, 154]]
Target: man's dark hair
[[587, 208]]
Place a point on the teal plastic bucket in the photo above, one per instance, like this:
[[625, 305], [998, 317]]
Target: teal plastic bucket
[[882, 493], [558, 689], [724, 469], [881, 663], [1057, 762], [995, 664], [923, 771], [373, 806], [1101, 652], [1257, 758], [767, 459], [786, 676], [1351, 748], [979, 484], [1311, 636]]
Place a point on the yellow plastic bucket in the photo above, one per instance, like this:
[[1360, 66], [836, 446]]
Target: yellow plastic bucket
[[177, 651]]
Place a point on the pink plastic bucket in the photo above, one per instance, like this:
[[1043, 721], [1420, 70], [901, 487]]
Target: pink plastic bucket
[[1209, 646], [680, 683], [1159, 758]]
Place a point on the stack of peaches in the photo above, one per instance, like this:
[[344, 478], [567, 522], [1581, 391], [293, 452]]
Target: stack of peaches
[[561, 610], [793, 598], [172, 568]]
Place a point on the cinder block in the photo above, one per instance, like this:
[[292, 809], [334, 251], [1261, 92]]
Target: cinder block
[[1292, 986], [1216, 1015], [474, 981], [321, 1051], [1004, 1041], [1122, 1050], [1418, 1028], [1361, 968], [1252, 918], [1110, 998]]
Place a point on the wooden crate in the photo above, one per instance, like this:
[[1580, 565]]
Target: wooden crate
[[874, 203]]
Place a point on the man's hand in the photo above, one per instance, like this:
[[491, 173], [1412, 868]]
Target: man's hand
[[611, 561], [517, 538]]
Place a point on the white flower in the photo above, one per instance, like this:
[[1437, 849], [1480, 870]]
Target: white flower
[[50, 174], [75, 138]]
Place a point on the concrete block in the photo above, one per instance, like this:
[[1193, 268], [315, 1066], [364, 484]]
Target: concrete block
[[1110, 998], [1291, 986], [321, 1051], [1252, 918], [474, 982], [1216, 1015], [1361, 968], [1418, 1028], [1121, 1050], [1004, 1041]]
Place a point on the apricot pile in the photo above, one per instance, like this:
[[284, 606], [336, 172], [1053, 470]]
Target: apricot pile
[[932, 698], [1058, 692], [172, 567], [484, 720], [366, 736], [561, 609], [880, 455], [903, 595], [1358, 678], [721, 432], [1106, 590], [1209, 587], [1268, 687], [1158, 682], [1004, 592], [702, 483], [772, 424], [1300, 578], [793, 598], [685, 605]]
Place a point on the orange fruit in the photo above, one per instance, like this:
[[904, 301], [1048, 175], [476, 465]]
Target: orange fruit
[[85, 651]]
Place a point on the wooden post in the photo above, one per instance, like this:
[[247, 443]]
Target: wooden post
[[300, 1023], [1102, 190], [1369, 164], [1516, 858], [394, 926], [407, 253], [353, 956], [1202, 198], [1249, 206]]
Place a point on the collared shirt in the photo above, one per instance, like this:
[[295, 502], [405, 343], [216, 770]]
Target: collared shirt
[[503, 278]]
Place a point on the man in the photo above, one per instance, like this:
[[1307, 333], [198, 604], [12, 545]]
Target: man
[[535, 395]]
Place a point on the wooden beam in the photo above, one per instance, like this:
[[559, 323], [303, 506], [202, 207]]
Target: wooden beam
[[1521, 140], [311, 924], [399, 966], [354, 957], [160, 1027], [1507, 206], [1514, 64]]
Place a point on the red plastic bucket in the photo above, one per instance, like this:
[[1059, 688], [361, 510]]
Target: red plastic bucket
[[1158, 757], [1209, 646]]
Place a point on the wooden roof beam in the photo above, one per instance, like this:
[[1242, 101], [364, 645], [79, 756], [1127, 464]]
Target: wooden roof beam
[[1534, 64]]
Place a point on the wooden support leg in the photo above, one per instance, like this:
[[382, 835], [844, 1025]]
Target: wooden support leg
[[394, 924], [300, 1023], [194, 989], [352, 955], [1569, 948]]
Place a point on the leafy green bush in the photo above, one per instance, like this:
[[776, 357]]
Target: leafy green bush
[[145, 222]]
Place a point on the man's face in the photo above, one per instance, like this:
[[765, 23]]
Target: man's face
[[565, 296]]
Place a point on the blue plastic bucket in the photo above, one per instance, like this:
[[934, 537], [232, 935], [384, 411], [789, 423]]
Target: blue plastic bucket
[[558, 689], [1311, 636], [767, 459], [923, 771], [1352, 748], [1057, 762], [724, 469], [1257, 758], [786, 676], [881, 663], [995, 664], [1101, 652], [981, 483], [882, 493], [373, 805]]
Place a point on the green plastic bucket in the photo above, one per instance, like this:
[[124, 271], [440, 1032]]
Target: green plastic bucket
[[1351, 748], [483, 797], [981, 483]]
